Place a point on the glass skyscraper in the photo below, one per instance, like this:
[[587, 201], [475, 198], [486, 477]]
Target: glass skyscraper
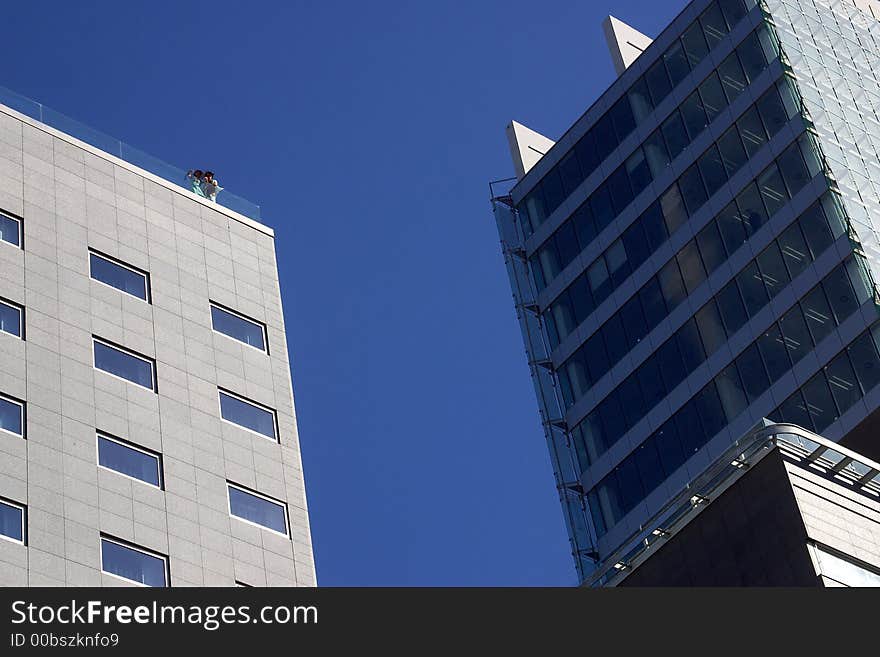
[[697, 252]]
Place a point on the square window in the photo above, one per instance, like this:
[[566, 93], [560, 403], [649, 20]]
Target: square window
[[12, 416], [10, 229], [11, 315], [12, 521]]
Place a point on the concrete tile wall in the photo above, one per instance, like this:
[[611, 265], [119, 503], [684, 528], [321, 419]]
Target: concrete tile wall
[[71, 199]]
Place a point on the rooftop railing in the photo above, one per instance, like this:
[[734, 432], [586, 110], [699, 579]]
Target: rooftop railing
[[118, 148], [796, 445]]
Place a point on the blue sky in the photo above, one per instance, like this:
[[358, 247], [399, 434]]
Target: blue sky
[[367, 132]]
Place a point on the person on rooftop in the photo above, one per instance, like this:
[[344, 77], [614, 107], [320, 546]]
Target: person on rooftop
[[210, 186], [195, 178]]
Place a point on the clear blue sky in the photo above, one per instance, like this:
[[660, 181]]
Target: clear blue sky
[[368, 132]]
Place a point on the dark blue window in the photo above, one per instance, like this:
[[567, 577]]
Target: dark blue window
[[129, 461], [752, 372], [257, 509], [671, 364], [132, 564], [633, 321], [675, 134], [123, 364], [122, 277], [694, 43], [690, 430], [12, 521], [820, 403], [676, 63], [668, 447], [10, 230], [586, 153], [570, 170], [651, 382], [863, 354], [584, 226], [238, 327], [248, 415], [658, 82], [580, 298], [600, 204], [649, 466], [12, 416], [730, 305], [622, 117], [621, 191], [637, 249], [651, 297], [10, 319], [653, 222], [566, 245]]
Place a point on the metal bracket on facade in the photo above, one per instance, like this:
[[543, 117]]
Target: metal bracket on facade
[[868, 476]]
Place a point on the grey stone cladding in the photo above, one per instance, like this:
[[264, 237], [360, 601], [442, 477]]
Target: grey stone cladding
[[72, 198]]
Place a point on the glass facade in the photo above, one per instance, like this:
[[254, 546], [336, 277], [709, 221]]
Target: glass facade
[[637, 105], [697, 260], [652, 229], [653, 158], [771, 266]]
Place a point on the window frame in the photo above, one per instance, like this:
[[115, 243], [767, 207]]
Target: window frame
[[263, 328], [271, 500], [112, 345], [119, 441], [137, 548], [18, 220], [23, 508], [272, 411], [123, 265], [22, 406], [20, 308]]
